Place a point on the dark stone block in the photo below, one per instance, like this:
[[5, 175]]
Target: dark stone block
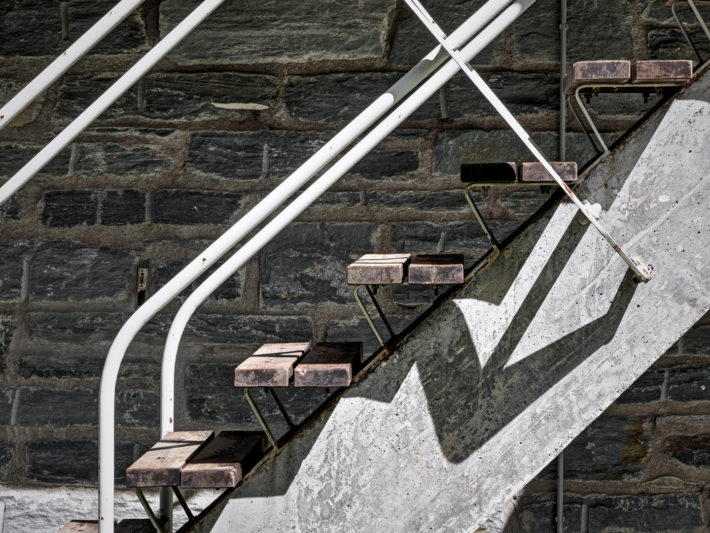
[[138, 408], [7, 457], [452, 237], [212, 397], [692, 450], [646, 513], [33, 28], [657, 13], [180, 206], [451, 201], [57, 407], [601, 32], [522, 204], [10, 210], [669, 44], [609, 449], [15, 156], [305, 264], [381, 164], [454, 148], [181, 96], [697, 341], [345, 199], [49, 367], [689, 384], [539, 513], [119, 208], [73, 461], [241, 155], [230, 290], [64, 271], [523, 93], [64, 209], [358, 330], [11, 259], [413, 40], [110, 158], [7, 398], [647, 388], [248, 329], [335, 97], [7, 330], [315, 31], [77, 328]]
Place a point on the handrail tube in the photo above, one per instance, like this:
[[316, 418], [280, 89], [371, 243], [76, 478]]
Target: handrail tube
[[224, 243], [103, 102], [322, 184], [351, 132], [66, 60]]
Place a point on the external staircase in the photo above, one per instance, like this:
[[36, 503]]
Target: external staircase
[[481, 413]]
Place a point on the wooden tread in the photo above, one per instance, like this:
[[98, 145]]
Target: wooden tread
[[506, 172], [535, 172], [602, 72], [444, 269], [160, 466], [329, 364], [129, 525], [662, 71], [394, 269], [222, 462], [270, 366], [378, 269]]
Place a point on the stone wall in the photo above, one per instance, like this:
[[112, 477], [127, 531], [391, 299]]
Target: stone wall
[[214, 127]]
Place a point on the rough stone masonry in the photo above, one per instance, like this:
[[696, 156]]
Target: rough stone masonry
[[214, 127]]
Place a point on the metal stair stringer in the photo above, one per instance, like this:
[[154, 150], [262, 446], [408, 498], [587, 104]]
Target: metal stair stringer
[[490, 387]]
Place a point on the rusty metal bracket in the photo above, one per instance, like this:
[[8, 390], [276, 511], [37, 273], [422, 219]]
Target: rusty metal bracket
[[261, 419], [609, 87], [479, 217], [371, 294]]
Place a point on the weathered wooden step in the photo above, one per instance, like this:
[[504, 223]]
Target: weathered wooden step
[[129, 525], [270, 366], [329, 364], [160, 466], [222, 462], [489, 173], [662, 71], [597, 72], [445, 269], [535, 172], [378, 269]]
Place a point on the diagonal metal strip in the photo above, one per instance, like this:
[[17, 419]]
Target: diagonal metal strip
[[640, 270]]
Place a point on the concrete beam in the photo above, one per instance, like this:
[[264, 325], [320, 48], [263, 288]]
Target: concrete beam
[[495, 383]]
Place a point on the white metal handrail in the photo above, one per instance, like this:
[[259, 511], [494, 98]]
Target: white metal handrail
[[65, 61], [113, 93], [261, 211]]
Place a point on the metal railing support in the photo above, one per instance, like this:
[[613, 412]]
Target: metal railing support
[[224, 243], [104, 101], [65, 61]]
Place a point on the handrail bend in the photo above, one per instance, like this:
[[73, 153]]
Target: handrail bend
[[252, 247], [103, 102], [209, 257], [66, 60]]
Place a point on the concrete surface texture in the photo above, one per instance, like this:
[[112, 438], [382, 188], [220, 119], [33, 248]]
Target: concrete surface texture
[[492, 386]]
